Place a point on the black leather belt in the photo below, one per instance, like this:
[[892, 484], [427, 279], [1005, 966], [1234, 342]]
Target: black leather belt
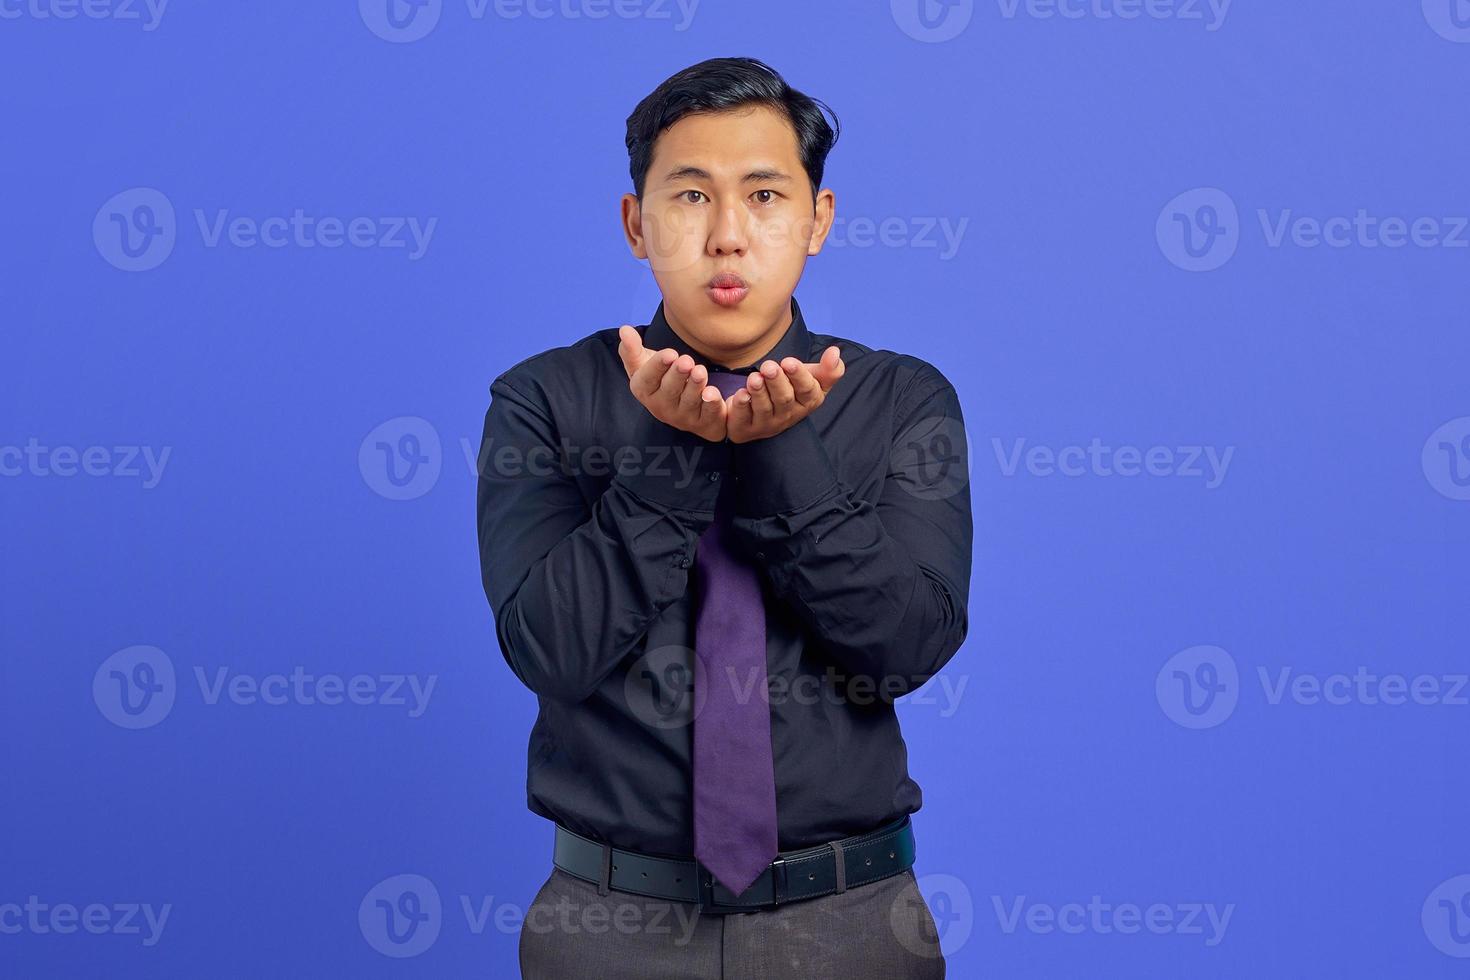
[[795, 875]]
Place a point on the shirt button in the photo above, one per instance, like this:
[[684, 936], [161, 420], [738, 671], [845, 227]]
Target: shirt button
[[683, 562], [713, 477], [761, 555]]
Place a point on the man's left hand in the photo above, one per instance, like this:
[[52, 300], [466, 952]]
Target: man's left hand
[[779, 395]]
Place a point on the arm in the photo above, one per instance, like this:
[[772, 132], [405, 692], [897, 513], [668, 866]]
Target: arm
[[574, 588], [884, 588]]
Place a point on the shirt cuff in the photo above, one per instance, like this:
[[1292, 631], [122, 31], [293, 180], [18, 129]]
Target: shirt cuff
[[672, 468], [784, 472]]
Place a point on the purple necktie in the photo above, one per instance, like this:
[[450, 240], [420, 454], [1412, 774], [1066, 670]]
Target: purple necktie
[[734, 776]]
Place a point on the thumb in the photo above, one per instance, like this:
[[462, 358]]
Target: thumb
[[630, 348], [829, 368]]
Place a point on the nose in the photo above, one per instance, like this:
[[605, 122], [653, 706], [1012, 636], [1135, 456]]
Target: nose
[[728, 236]]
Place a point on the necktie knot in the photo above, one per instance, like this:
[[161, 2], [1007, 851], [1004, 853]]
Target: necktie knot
[[728, 382]]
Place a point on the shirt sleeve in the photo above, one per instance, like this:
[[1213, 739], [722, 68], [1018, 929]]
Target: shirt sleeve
[[883, 587], [574, 586]]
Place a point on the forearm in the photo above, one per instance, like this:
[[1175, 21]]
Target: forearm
[[574, 591], [882, 587]]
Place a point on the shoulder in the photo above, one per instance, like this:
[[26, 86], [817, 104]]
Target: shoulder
[[557, 370], [907, 376]]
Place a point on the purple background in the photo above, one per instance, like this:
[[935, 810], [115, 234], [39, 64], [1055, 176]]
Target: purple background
[[1334, 542]]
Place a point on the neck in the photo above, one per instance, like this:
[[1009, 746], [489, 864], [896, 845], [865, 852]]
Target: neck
[[722, 358]]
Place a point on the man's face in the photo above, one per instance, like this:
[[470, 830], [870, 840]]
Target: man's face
[[726, 194]]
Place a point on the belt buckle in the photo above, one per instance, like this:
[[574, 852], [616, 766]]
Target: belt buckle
[[707, 902]]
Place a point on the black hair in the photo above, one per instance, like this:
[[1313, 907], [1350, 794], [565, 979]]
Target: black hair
[[720, 84]]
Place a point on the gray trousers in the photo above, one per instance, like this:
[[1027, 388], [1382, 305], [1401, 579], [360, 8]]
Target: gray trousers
[[882, 929]]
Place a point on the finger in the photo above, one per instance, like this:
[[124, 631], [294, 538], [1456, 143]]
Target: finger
[[675, 380], [712, 406], [808, 392], [760, 396], [650, 374], [739, 410], [693, 391], [829, 368], [778, 385]]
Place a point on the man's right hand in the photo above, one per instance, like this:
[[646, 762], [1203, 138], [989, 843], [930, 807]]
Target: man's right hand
[[673, 388]]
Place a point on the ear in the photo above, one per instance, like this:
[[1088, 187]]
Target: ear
[[632, 221], [826, 209]]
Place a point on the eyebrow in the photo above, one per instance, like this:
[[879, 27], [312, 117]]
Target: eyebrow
[[698, 173]]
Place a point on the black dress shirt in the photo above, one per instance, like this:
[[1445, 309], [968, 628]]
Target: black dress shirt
[[589, 511]]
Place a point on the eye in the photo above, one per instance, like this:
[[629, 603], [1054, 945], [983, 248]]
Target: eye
[[771, 200], [686, 193]]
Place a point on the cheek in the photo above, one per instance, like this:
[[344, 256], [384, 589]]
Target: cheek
[[786, 233], [674, 239]]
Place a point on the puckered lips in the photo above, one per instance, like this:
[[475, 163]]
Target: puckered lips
[[728, 288]]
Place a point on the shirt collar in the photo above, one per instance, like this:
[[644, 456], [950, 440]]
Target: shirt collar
[[795, 342]]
